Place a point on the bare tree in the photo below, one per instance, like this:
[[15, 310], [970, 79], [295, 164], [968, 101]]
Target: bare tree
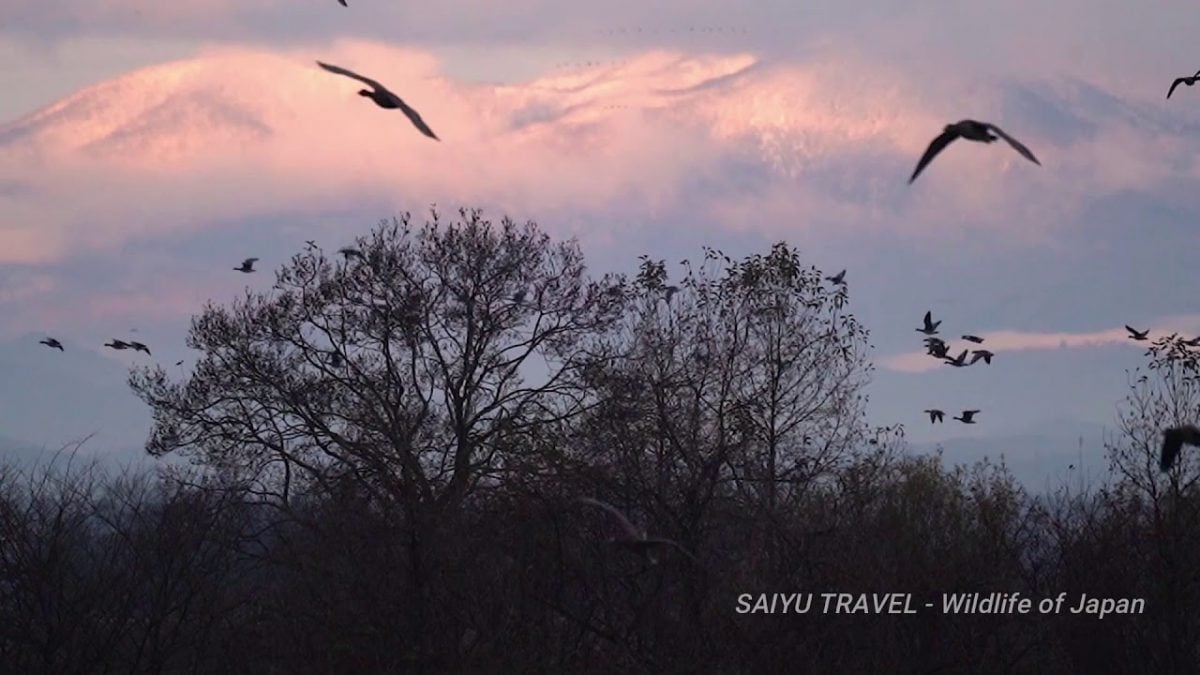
[[401, 367]]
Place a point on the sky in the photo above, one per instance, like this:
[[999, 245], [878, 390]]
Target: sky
[[145, 150]]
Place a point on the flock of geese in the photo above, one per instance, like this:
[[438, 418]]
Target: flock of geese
[[939, 349], [636, 539]]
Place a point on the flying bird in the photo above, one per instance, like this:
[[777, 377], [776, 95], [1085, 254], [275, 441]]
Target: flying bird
[[247, 266], [973, 338], [839, 278], [935, 415], [1136, 334], [959, 361], [349, 252], [972, 131], [1194, 342], [383, 98], [968, 417], [1189, 81], [634, 539], [52, 343], [117, 344], [343, 3], [1173, 441], [938, 349], [981, 354], [930, 327], [139, 347]]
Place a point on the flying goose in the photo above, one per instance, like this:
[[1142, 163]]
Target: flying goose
[[968, 416], [634, 539], [52, 343], [383, 98], [930, 327], [973, 338], [247, 266], [117, 344], [981, 354], [1189, 81], [139, 347], [349, 252], [839, 278], [1136, 334], [935, 415], [1194, 342], [938, 349], [959, 361], [1173, 441], [971, 130]]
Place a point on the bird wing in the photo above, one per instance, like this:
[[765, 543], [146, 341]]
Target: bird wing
[[929, 320], [414, 117], [1176, 83], [934, 148], [1131, 330], [343, 3], [1017, 145], [1172, 443], [350, 73], [630, 530]]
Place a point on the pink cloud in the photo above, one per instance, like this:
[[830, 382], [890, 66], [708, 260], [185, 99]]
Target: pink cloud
[[236, 133], [1015, 341]]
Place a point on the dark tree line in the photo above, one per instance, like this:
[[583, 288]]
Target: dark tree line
[[387, 450]]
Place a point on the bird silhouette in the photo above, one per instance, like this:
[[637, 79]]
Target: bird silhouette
[[973, 338], [52, 343], [350, 252], [930, 327], [634, 538], [139, 347], [247, 266], [343, 3], [935, 415], [839, 278], [1136, 334], [384, 98], [1173, 441], [938, 348], [968, 416], [971, 130], [117, 344], [670, 291], [959, 361], [1194, 342], [981, 354], [1189, 81]]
